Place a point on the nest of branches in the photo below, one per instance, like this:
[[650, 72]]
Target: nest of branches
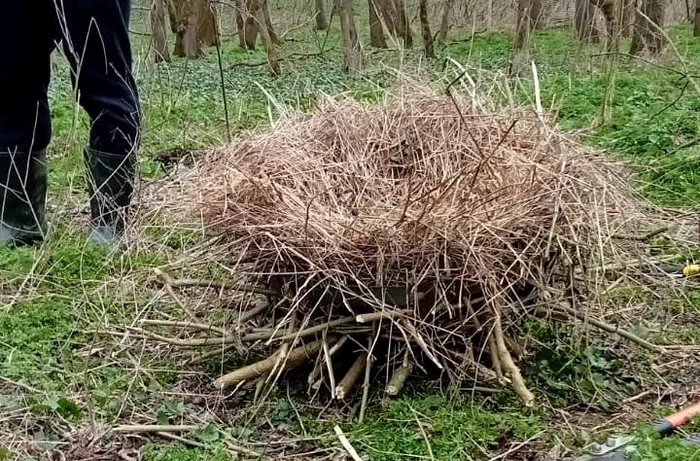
[[408, 235]]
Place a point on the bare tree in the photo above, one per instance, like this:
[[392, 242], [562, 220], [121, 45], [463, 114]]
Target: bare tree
[[393, 13], [187, 44], [626, 15], [193, 22], [584, 22], [352, 54], [535, 14], [612, 28], [425, 29], [256, 21], [268, 23], [648, 33], [403, 25], [696, 25], [320, 15], [160, 44], [376, 30], [445, 20], [208, 24], [387, 10], [521, 52], [253, 19]]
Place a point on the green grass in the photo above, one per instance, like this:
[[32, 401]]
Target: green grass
[[53, 298], [447, 427]]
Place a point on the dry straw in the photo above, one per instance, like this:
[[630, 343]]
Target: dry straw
[[427, 220]]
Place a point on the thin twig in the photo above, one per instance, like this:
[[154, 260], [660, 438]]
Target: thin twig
[[184, 324], [422, 431], [368, 372], [643, 238], [610, 328], [219, 285], [346, 444], [148, 428], [166, 281]]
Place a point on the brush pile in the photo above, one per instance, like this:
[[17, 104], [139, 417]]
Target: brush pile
[[408, 235]]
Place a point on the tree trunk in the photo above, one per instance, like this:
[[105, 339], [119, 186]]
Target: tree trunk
[[626, 15], [187, 44], [250, 25], [489, 13], [268, 23], [241, 12], [321, 20], [352, 55], [535, 14], [696, 25], [584, 22], [160, 44], [425, 29], [521, 52], [403, 26], [259, 16], [376, 30], [445, 21], [387, 9], [648, 28], [208, 27], [607, 7]]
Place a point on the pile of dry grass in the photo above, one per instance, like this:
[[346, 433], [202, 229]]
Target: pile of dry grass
[[416, 231]]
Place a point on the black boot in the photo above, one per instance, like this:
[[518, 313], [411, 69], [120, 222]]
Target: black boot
[[22, 197], [110, 184]]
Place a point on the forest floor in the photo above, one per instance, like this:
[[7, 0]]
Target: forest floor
[[63, 382]]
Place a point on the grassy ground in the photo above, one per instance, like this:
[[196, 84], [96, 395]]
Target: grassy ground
[[61, 378]]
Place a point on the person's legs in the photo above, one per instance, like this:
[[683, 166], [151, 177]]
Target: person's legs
[[28, 31], [96, 42]]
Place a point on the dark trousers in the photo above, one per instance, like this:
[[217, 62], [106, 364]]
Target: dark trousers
[[94, 35]]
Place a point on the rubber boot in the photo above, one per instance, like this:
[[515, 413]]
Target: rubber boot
[[110, 184], [22, 198]]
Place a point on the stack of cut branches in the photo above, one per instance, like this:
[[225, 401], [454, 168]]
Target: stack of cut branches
[[409, 235]]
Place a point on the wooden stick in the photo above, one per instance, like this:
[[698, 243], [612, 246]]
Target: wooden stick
[[315, 329], [331, 352], [610, 328], [210, 354], [329, 368], [399, 377], [425, 436], [166, 281], [493, 350], [509, 366], [346, 384], [495, 358], [368, 372], [249, 314], [296, 357], [346, 444], [374, 316], [421, 343], [149, 428], [284, 349], [194, 342], [221, 285], [192, 443], [185, 324], [643, 238], [230, 445]]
